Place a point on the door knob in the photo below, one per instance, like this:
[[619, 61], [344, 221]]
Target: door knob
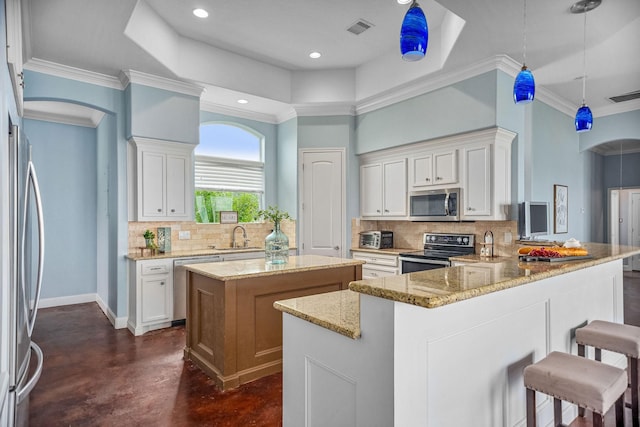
[[337, 248]]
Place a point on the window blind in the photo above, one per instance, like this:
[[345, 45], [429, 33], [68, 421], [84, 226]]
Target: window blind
[[212, 173]]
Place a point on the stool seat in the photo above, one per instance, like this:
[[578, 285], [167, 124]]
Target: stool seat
[[616, 337], [584, 382]]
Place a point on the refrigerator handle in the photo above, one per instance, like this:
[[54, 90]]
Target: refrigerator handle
[[32, 179], [23, 392]]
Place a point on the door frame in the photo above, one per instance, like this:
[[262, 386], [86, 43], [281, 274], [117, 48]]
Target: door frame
[[343, 210]]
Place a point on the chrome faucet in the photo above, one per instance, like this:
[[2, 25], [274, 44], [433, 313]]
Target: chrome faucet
[[234, 244]]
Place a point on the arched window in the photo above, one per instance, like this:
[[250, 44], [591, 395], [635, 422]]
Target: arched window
[[229, 172]]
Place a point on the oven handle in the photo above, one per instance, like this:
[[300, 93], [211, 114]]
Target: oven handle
[[426, 261], [446, 205]]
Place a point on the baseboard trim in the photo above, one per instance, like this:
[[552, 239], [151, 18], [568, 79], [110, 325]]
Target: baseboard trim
[[117, 322]]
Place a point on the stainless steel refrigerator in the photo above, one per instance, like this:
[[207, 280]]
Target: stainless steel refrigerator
[[26, 258]]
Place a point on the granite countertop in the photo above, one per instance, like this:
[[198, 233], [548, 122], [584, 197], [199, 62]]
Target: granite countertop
[[240, 269], [435, 288], [338, 311], [147, 253], [390, 251]]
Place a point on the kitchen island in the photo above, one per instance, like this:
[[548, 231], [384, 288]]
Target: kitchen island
[[233, 332], [443, 347]]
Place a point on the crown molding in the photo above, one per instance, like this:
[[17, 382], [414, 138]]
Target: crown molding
[[132, 76], [63, 112], [325, 109], [212, 107], [617, 108], [559, 103], [73, 73]]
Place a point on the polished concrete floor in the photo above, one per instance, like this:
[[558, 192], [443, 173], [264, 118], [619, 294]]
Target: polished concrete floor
[[97, 376], [94, 375]]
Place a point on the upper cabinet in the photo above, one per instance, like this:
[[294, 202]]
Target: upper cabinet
[[383, 189], [430, 169], [14, 49], [160, 180], [479, 163]]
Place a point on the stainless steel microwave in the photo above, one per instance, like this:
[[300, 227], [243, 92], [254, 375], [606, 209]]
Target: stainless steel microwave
[[435, 205], [376, 239]]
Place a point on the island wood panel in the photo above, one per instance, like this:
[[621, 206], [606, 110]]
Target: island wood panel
[[233, 332]]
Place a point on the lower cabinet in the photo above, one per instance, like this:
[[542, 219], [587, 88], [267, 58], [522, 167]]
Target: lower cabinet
[[150, 295], [377, 265]]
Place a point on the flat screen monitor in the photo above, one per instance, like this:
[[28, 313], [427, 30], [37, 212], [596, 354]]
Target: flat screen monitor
[[533, 219]]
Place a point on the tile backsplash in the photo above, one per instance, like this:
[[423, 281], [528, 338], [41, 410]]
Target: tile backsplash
[[202, 236], [408, 234]]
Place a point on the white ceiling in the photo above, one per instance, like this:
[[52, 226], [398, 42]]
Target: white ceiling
[[259, 50]]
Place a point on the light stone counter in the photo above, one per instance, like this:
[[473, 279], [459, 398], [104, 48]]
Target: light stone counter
[[338, 311], [435, 288], [148, 254], [251, 268]]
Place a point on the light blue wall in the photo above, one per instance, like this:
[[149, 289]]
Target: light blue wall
[[162, 114], [65, 158], [462, 107], [612, 128], [269, 131], [41, 86], [287, 174]]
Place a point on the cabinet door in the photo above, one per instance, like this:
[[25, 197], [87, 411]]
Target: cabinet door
[[395, 188], [371, 190], [176, 186], [477, 188], [153, 184], [155, 298], [421, 171], [445, 168]]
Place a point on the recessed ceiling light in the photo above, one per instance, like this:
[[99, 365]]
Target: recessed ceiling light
[[242, 101], [315, 55], [200, 13]]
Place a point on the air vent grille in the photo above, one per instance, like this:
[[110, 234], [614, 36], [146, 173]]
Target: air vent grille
[[359, 27], [626, 97]]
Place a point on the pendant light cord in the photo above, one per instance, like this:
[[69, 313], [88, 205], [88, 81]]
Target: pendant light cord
[[524, 38], [584, 59]]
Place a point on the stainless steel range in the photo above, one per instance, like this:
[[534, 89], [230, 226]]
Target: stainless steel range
[[438, 248]]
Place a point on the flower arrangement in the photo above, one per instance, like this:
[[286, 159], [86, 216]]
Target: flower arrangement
[[273, 214]]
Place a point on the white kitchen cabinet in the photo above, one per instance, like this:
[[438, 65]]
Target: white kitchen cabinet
[[433, 168], [486, 183], [150, 295], [13, 11], [377, 265], [161, 180], [383, 189]]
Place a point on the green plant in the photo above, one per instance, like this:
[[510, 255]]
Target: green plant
[[148, 234], [273, 214]]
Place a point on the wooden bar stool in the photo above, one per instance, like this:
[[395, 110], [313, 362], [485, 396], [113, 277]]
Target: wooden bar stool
[[619, 338], [583, 382]]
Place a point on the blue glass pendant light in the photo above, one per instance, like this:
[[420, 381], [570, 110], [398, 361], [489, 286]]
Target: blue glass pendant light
[[524, 87], [584, 118], [414, 34]]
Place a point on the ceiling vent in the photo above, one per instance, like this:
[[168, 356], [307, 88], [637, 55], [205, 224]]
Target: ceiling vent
[[359, 27], [626, 97]]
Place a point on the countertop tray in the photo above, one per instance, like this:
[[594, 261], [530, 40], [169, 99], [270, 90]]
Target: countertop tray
[[527, 258]]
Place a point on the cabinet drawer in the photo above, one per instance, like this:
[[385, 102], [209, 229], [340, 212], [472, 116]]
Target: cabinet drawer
[[384, 260], [374, 273], [148, 269]]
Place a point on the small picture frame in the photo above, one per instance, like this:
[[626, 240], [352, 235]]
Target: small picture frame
[[560, 209], [228, 217]]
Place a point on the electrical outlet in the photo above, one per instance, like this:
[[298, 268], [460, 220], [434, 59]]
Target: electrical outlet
[[507, 237], [184, 235]]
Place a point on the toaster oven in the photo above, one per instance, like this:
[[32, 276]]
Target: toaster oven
[[376, 239]]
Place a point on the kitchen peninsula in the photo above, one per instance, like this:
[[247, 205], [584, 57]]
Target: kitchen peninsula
[[443, 347], [233, 332]]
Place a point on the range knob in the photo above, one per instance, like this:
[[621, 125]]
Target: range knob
[[459, 240], [465, 240]]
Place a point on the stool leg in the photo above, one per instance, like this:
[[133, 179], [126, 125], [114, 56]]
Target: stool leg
[[598, 420], [620, 411], [557, 412], [531, 408], [634, 392], [581, 353]]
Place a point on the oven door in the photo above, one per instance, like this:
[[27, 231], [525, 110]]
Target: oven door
[[410, 264]]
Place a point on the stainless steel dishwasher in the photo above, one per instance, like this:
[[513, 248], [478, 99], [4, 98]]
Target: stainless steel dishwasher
[[180, 282]]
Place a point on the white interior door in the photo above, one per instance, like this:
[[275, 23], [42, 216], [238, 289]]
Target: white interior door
[[323, 190], [614, 217], [635, 228]]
